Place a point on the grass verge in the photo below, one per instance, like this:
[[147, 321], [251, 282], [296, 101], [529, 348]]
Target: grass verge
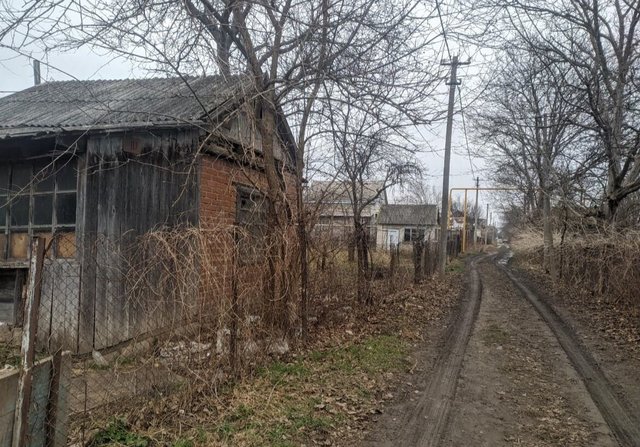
[[314, 398], [324, 396]]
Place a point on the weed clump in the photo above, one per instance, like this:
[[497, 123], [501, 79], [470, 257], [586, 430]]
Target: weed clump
[[118, 433]]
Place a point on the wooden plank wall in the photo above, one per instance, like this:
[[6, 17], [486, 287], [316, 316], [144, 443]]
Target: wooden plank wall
[[59, 305], [123, 195]]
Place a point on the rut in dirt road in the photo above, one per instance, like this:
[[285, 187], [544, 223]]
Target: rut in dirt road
[[517, 386], [422, 422], [509, 373], [623, 424]]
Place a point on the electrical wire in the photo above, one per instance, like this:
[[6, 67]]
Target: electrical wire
[[444, 31], [464, 124], [464, 130]]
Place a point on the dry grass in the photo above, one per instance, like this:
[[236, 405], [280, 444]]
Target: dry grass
[[605, 265], [218, 358], [322, 395]]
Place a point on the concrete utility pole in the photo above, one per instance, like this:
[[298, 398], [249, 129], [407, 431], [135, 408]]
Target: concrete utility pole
[[444, 221], [477, 210], [486, 226]]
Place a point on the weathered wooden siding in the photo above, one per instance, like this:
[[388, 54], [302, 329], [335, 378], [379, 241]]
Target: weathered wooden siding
[[59, 301], [129, 184]]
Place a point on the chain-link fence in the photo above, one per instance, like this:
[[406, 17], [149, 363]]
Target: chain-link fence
[[185, 308], [182, 308]]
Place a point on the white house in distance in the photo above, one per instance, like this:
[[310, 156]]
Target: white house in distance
[[404, 224]]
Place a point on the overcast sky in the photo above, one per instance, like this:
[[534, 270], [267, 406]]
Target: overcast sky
[[16, 73]]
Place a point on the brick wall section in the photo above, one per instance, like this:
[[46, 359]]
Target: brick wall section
[[218, 181]]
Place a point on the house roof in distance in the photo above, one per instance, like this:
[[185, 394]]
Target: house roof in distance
[[338, 191], [412, 215], [56, 107]]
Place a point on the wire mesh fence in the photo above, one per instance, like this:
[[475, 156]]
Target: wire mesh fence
[[187, 308]]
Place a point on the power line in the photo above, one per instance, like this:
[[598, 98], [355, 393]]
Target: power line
[[464, 130], [464, 124], [444, 32]]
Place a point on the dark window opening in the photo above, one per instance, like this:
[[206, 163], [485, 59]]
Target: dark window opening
[[11, 283], [66, 176], [66, 209], [413, 234], [20, 211], [251, 222], [20, 177], [4, 179], [43, 176], [37, 198], [43, 210]]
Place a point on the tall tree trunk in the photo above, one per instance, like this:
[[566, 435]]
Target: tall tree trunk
[[275, 301], [548, 257], [302, 251], [364, 295]]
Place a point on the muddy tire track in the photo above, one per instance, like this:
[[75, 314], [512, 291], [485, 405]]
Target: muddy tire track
[[624, 425], [426, 424]]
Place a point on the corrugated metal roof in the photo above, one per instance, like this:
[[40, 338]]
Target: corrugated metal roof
[[414, 215], [81, 105]]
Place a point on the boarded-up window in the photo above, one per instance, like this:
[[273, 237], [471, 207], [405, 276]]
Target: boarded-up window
[[251, 222], [37, 198]]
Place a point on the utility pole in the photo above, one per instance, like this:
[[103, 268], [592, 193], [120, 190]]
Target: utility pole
[[477, 210], [444, 221], [494, 233], [486, 226]]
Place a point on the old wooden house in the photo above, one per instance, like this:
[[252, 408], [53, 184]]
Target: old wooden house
[[89, 165]]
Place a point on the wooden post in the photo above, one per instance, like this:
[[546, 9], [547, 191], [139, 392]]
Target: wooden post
[[417, 261], [426, 268], [58, 408], [393, 265], [27, 350], [464, 224]]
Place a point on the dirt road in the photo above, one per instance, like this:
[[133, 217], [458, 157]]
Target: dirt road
[[510, 372]]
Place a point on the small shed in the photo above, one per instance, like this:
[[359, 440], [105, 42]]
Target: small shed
[[91, 165], [404, 224]]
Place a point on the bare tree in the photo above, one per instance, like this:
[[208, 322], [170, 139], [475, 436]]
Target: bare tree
[[371, 151], [529, 122], [599, 43], [417, 190], [296, 54]]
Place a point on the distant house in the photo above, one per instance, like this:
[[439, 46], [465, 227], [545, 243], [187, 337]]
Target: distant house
[[404, 224], [335, 209], [90, 165]]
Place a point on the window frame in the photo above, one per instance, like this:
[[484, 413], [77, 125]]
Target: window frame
[[32, 191], [250, 241], [415, 234]]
